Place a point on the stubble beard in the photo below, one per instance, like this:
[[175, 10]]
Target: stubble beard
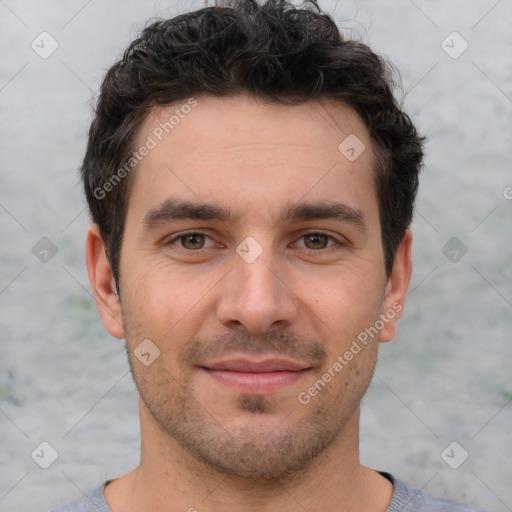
[[247, 450]]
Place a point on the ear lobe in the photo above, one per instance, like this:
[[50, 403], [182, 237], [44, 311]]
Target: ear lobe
[[396, 288], [103, 283]]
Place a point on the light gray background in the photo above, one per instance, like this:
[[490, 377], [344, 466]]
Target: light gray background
[[446, 377]]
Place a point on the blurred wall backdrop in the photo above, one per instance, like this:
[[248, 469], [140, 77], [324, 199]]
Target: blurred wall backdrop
[[446, 377]]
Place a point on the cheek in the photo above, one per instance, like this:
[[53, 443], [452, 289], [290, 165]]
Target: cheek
[[152, 286], [161, 303], [345, 298]]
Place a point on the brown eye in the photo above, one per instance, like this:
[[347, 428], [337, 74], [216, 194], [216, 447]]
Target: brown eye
[[192, 241], [316, 240]]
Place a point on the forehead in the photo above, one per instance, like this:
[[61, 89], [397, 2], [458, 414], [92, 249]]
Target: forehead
[[210, 123], [238, 150]]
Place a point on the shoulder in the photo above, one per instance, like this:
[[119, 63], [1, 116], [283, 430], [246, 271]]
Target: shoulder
[[407, 498], [93, 502]]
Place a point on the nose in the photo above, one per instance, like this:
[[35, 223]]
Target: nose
[[255, 296]]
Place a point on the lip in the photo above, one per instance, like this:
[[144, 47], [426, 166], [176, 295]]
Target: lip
[[256, 377], [265, 366]]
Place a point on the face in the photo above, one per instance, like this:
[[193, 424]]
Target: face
[[252, 260]]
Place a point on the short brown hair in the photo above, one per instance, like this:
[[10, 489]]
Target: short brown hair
[[272, 51]]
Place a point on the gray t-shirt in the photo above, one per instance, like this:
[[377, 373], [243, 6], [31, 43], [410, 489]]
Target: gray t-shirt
[[406, 498]]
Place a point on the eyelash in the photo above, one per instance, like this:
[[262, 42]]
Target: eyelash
[[303, 235]]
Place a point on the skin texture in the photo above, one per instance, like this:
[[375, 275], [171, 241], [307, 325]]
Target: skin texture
[[305, 297]]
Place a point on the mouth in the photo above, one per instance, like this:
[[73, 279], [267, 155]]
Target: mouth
[[256, 377]]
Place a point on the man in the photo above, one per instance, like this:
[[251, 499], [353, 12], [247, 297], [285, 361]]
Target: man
[[251, 182]]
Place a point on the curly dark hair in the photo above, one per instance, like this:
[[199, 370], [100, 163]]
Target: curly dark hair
[[273, 51]]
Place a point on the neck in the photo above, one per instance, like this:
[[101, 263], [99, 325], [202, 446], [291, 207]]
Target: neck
[[169, 478]]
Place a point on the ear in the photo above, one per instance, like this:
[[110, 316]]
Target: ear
[[102, 283], [396, 288]]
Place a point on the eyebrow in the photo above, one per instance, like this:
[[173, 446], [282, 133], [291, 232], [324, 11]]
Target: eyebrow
[[173, 209]]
